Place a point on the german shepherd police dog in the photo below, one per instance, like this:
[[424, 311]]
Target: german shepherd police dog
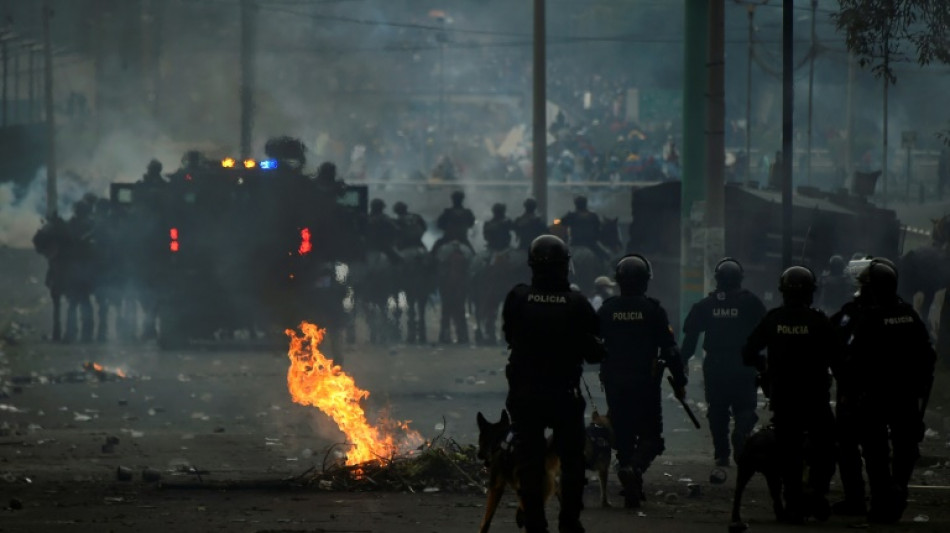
[[760, 454], [494, 448], [598, 450]]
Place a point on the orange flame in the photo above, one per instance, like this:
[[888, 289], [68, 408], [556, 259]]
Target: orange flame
[[312, 379], [104, 369]]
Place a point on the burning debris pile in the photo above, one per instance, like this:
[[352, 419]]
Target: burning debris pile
[[90, 372], [387, 456], [441, 466]]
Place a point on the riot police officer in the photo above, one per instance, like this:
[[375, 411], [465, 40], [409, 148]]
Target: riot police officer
[[529, 225], [640, 345], [410, 227], [836, 287], [80, 273], [381, 231], [727, 316], [796, 378], [888, 372], [551, 331], [497, 231], [584, 227], [153, 174], [455, 222]]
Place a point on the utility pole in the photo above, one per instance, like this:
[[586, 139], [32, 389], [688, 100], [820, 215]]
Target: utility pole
[[748, 98], [849, 126], [539, 134], [788, 104], [715, 138], [6, 102], [811, 86], [693, 184], [887, 59], [248, 47], [16, 83], [51, 193]]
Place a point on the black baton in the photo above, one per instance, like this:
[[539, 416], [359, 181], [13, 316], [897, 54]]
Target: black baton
[[684, 404]]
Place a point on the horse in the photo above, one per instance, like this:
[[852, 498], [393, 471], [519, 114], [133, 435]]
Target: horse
[[493, 275], [453, 260], [416, 279]]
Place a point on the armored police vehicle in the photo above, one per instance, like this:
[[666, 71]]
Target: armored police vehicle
[[241, 246], [824, 224]]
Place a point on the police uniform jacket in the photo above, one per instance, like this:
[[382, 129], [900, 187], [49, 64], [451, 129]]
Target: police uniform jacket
[[497, 233], [635, 329], [727, 318], [411, 227], [529, 226], [584, 226], [551, 332], [888, 358], [455, 222], [380, 232], [800, 344]]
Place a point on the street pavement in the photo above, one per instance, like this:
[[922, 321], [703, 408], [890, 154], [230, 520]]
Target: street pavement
[[225, 413]]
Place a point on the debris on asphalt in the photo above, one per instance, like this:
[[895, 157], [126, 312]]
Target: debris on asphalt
[[123, 473], [151, 475]]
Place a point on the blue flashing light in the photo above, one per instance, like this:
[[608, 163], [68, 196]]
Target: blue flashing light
[[268, 164]]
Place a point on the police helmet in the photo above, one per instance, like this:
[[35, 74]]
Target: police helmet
[[457, 197], [728, 272], [633, 272], [580, 202], [530, 204], [377, 205], [400, 208], [603, 281], [797, 281], [548, 250], [154, 166], [498, 209], [836, 265], [879, 278]]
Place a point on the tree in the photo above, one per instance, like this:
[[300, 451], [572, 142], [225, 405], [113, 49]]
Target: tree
[[879, 32]]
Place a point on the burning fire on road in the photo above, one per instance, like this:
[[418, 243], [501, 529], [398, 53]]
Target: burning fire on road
[[312, 379]]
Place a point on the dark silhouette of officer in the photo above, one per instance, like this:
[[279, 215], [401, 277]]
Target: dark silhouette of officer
[[727, 316], [80, 273], [410, 227], [887, 375], [455, 222], [551, 331], [640, 346], [497, 231], [800, 344], [381, 231], [584, 227], [529, 225]]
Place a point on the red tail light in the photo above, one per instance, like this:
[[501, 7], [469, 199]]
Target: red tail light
[[305, 245], [173, 235]]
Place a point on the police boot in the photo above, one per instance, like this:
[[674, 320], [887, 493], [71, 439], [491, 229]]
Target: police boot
[[632, 481]]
